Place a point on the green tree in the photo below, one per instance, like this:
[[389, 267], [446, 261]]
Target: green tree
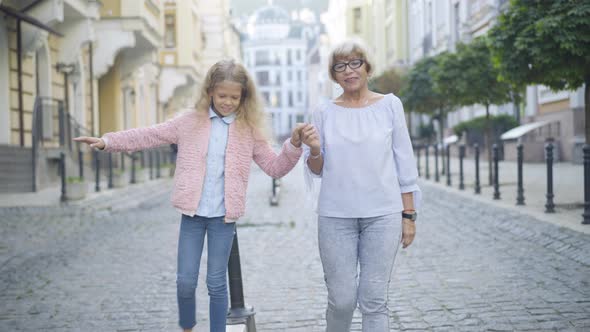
[[545, 42], [390, 81], [469, 77]]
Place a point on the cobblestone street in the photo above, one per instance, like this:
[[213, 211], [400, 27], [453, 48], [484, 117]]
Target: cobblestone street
[[473, 267]]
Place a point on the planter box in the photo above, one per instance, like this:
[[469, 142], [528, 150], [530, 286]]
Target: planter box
[[76, 191]]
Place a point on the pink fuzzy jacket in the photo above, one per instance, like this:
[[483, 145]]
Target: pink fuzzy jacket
[[191, 132]]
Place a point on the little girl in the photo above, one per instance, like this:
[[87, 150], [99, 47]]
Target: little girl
[[216, 145]]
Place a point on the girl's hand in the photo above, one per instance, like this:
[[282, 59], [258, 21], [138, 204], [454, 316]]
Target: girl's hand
[[296, 134], [311, 138], [94, 142], [408, 232]]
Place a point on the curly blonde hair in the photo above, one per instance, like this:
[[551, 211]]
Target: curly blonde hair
[[250, 111]]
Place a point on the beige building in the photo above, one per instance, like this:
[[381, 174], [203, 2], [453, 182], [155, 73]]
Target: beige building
[[106, 65]]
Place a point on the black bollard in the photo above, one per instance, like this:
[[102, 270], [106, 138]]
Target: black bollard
[[274, 198], [461, 156], [448, 168], [158, 172], [238, 313], [80, 162], [426, 148], [477, 185], [133, 157], [110, 185], [418, 159], [495, 156], [97, 171], [151, 163], [586, 213], [549, 205], [62, 171], [520, 189], [436, 178]]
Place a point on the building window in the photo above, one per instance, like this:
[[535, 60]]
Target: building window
[[428, 23], [298, 55], [289, 58], [457, 22], [276, 100], [170, 31], [299, 76], [266, 97], [289, 76], [290, 99], [262, 58], [356, 20], [299, 96], [262, 78]]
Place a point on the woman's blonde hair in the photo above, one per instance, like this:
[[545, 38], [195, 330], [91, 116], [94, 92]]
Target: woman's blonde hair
[[250, 110], [347, 49]]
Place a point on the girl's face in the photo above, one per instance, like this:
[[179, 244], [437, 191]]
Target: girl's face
[[226, 97]]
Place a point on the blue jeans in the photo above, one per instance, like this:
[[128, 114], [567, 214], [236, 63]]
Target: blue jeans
[[349, 245], [190, 247]]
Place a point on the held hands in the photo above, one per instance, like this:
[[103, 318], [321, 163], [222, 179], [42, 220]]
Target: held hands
[[408, 232], [94, 142]]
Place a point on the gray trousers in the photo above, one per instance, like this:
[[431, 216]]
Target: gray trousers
[[357, 256]]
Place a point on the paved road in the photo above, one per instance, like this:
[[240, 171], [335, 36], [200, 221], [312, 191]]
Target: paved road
[[473, 267]]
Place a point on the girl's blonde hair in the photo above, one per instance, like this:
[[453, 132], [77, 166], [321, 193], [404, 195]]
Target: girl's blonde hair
[[353, 47], [250, 110]]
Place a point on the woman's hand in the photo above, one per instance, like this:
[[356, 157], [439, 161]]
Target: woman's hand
[[94, 142], [311, 138], [408, 232], [296, 136]]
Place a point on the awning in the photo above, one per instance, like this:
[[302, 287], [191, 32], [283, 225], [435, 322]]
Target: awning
[[29, 19], [520, 131]]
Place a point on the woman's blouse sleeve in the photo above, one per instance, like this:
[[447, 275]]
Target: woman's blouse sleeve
[[404, 155]]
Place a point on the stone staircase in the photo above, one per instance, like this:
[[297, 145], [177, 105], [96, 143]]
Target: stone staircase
[[15, 169]]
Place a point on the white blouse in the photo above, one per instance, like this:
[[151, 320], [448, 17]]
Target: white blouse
[[368, 159]]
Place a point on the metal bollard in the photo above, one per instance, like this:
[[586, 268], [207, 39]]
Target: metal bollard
[[448, 168], [461, 156], [549, 205], [110, 183], [158, 173], [97, 171], [80, 162], [238, 313], [477, 185], [151, 163], [496, 156], [586, 213], [520, 189], [436, 178], [274, 198], [62, 171], [133, 180], [426, 148]]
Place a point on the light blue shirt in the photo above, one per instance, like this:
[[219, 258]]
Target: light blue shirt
[[212, 197], [368, 159]]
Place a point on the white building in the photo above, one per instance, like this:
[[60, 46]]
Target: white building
[[275, 53]]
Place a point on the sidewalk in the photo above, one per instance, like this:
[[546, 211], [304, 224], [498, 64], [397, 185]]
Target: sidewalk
[[568, 188]]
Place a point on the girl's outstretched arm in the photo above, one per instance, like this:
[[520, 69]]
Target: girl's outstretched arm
[[137, 139], [279, 165]]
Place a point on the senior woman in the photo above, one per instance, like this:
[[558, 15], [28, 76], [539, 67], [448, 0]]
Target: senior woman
[[360, 147]]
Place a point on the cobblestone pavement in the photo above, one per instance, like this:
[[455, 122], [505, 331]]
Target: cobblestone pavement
[[473, 267]]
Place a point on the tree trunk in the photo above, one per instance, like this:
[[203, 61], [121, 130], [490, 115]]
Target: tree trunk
[[488, 142]]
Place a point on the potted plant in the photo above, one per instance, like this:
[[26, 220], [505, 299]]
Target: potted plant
[[76, 188]]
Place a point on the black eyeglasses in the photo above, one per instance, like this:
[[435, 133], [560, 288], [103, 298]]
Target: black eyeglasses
[[353, 64]]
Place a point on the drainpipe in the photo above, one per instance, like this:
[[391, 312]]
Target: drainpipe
[[91, 61], [19, 65]]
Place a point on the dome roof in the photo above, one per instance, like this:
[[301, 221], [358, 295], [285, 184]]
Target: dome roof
[[270, 14]]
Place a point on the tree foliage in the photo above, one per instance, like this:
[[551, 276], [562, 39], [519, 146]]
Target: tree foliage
[[390, 81]]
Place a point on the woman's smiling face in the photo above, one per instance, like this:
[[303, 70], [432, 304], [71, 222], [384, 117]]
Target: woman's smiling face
[[351, 79]]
